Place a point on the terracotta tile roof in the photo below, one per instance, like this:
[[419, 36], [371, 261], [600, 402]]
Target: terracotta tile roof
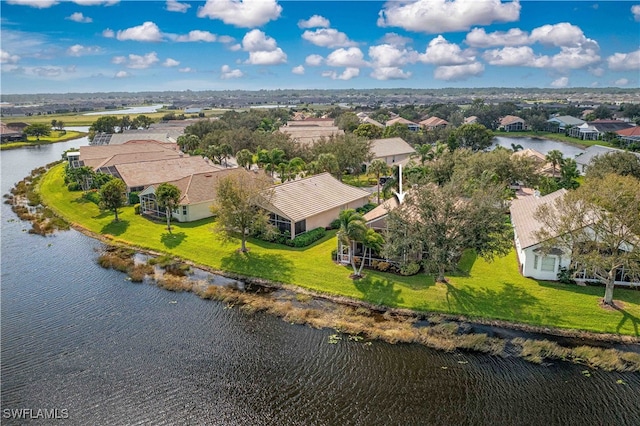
[[399, 120], [381, 148], [146, 173], [632, 131], [510, 119], [304, 198], [201, 187], [434, 122], [96, 155], [522, 216]]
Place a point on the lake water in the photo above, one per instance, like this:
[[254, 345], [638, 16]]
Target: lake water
[[541, 145], [81, 338], [133, 110]]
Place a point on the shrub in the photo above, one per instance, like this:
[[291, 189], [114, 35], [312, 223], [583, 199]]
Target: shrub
[[366, 208], [383, 266], [565, 276], [307, 238], [74, 186], [410, 268], [334, 255], [136, 209], [93, 196], [335, 224], [134, 198]]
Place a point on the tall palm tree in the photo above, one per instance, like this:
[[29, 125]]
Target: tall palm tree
[[555, 158], [352, 229], [168, 197], [378, 168]]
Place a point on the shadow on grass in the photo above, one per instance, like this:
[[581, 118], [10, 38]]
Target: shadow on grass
[[628, 295], [463, 269], [270, 266], [172, 240], [115, 228], [626, 316], [380, 291], [510, 301]]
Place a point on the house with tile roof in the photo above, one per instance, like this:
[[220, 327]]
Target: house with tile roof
[[543, 167], [562, 123], [630, 135], [414, 127], [432, 123], [8, 134], [595, 130], [391, 150], [583, 160], [512, 123], [312, 202], [535, 263]]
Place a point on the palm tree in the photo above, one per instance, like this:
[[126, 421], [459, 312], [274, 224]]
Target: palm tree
[[352, 229], [555, 158], [378, 168], [244, 158], [372, 241], [168, 196]]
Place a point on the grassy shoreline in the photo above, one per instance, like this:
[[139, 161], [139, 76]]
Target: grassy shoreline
[[44, 140], [486, 292]]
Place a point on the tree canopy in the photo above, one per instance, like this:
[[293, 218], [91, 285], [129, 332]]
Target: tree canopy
[[168, 198], [112, 195], [37, 130]]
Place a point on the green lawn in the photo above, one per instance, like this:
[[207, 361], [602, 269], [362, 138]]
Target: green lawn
[[487, 290]]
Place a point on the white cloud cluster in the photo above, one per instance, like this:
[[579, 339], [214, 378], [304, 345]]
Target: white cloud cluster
[[299, 70], [478, 37], [388, 59], [8, 58], [241, 13], [635, 11], [122, 74], [560, 82], [263, 50], [458, 72], [148, 32], [43, 4], [136, 61], [226, 73], [328, 37], [441, 52], [170, 62], [197, 35], [80, 50], [437, 16], [624, 61], [316, 21], [175, 6], [347, 74], [79, 17], [351, 58], [314, 60]]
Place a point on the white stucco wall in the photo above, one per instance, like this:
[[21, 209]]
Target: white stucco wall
[[194, 212]]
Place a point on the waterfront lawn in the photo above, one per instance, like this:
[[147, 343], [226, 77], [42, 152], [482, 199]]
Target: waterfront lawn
[[56, 136], [480, 290]]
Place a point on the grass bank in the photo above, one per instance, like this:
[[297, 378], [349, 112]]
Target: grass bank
[[55, 136], [485, 291]]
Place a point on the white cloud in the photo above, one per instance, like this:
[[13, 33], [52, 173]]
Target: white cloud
[[314, 60], [635, 10], [574, 58], [186, 69], [40, 4], [136, 61], [108, 33], [226, 39], [263, 50], [96, 2], [624, 61], [328, 37], [175, 6], [441, 52], [387, 55], [8, 58], [227, 73], [347, 74], [235, 47], [479, 38], [316, 21], [621, 82], [241, 13], [148, 31], [458, 72], [197, 35], [395, 39], [169, 62], [79, 17], [522, 56], [390, 73], [122, 74], [299, 70], [256, 40], [562, 34], [560, 82], [80, 50], [351, 57], [273, 57], [437, 16]]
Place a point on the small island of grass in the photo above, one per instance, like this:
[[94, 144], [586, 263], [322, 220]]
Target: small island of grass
[[54, 137]]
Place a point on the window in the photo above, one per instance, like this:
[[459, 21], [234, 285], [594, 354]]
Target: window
[[301, 227], [548, 264], [535, 262], [184, 210], [282, 223]]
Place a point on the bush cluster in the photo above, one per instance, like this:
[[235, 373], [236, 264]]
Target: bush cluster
[[307, 238]]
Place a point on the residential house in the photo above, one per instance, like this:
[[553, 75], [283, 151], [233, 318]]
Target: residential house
[[369, 120], [512, 123], [471, 120], [595, 130], [535, 263], [198, 192], [583, 160], [562, 123], [305, 204], [414, 127], [433, 123], [97, 156], [543, 167], [310, 130], [630, 135], [391, 150], [8, 134]]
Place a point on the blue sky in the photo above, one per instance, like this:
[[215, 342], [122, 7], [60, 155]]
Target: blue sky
[[53, 46]]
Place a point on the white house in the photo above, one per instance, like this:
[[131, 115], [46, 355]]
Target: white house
[[533, 262], [391, 150]]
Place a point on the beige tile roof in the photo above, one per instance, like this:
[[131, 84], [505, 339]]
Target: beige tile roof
[[133, 158], [146, 173], [510, 119], [434, 122], [121, 138], [310, 196], [95, 155], [390, 146], [399, 120], [382, 210], [310, 134], [201, 187], [522, 216]]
